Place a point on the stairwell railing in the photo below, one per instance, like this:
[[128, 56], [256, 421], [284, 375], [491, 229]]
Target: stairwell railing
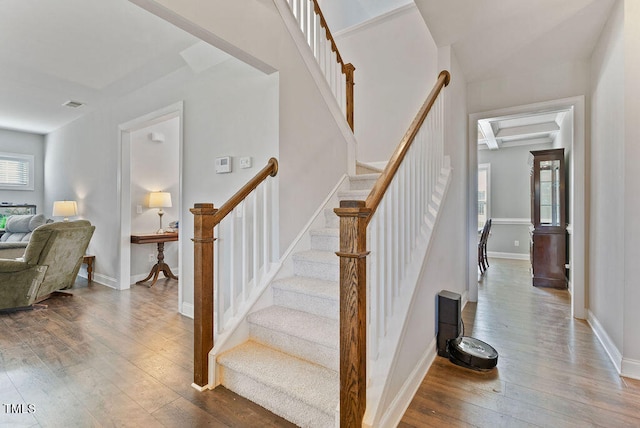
[[232, 266], [339, 74], [391, 219]]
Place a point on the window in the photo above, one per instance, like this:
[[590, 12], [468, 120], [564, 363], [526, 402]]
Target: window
[[484, 187], [16, 171]]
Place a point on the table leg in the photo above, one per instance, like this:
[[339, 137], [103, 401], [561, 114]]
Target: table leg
[[160, 266]]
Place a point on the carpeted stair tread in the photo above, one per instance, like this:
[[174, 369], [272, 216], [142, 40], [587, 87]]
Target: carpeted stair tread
[[310, 383], [303, 325]]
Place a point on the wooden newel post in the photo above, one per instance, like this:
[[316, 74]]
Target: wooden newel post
[[348, 70], [353, 315], [203, 224]]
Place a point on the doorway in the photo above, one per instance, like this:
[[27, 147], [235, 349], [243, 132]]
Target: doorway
[[574, 108], [150, 160]]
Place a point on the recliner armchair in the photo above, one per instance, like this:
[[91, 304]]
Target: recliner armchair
[[50, 263]]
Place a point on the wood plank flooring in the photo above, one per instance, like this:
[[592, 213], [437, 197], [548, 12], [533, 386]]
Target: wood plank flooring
[[123, 358], [107, 358], [552, 371]]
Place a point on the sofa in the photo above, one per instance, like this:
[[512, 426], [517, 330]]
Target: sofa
[[50, 263], [17, 232]]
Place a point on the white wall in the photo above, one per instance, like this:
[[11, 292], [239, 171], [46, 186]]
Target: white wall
[[548, 82], [510, 197], [312, 148], [631, 347], [155, 166], [219, 105], [607, 225], [28, 144], [396, 65]]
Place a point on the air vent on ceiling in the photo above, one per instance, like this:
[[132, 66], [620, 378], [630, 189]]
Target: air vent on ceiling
[[73, 104]]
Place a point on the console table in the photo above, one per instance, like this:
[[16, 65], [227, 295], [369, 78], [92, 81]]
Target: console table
[[160, 266]]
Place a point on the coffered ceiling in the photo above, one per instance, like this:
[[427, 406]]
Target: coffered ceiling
[[510, 131]]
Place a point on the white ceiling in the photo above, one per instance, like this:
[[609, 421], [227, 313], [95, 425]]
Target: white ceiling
[[493, 37], [92, 51], [341, 14]]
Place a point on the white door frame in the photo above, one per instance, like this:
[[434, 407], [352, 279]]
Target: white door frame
[[578, 201], [124, 187]]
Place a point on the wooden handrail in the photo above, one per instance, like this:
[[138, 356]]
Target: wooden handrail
[[383, 182], [270, 170], [323, 23], [354, 218], [206, 217], [347, 69]]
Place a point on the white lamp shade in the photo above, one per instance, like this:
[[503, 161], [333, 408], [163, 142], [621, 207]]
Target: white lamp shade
[[159, 200], [65, 208]]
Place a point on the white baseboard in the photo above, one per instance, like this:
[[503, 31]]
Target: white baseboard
[[102, 280], [513, 256], [630, 368], [400, 403], [608, 345], [187, 310]]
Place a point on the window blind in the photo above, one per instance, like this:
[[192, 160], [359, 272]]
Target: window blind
[[14, 172]]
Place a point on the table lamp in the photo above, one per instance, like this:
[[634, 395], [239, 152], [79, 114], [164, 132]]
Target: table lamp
[[160, 200], [65, 209]]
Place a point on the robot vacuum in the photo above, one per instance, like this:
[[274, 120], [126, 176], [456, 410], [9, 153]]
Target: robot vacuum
[[464, 351]]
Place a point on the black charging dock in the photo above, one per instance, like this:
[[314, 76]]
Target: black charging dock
[[464, 351]]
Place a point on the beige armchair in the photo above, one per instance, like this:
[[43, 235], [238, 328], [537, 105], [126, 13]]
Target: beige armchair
[[50, 263]]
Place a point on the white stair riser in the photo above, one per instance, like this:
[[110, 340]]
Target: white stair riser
[[353, 195], [331, 218], [301, 348], [362, 184], [304, 302], [313, 269], [278, 402]]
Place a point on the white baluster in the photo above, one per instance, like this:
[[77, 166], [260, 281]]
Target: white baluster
[[218, 308], [266, 227], [256, 236], [244, 246], [232, 263], [372, 286]]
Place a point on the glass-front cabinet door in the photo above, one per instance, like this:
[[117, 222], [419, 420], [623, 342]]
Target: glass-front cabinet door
[[548, 224]]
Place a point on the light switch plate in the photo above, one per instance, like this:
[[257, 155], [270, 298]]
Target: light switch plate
[[245, 162]]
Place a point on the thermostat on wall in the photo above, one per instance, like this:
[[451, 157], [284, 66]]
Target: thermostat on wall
[[223, 165]]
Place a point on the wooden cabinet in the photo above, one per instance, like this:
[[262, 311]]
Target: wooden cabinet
[[548, 219]]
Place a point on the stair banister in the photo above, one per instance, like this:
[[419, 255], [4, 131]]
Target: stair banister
[[354, 218], [206, 218], [379, 189], [312, 22]]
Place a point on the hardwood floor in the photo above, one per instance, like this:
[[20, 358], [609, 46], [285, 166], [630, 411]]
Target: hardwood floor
[[552, 371], [110, 358]]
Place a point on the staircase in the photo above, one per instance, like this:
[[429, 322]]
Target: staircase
[[290, 364]]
